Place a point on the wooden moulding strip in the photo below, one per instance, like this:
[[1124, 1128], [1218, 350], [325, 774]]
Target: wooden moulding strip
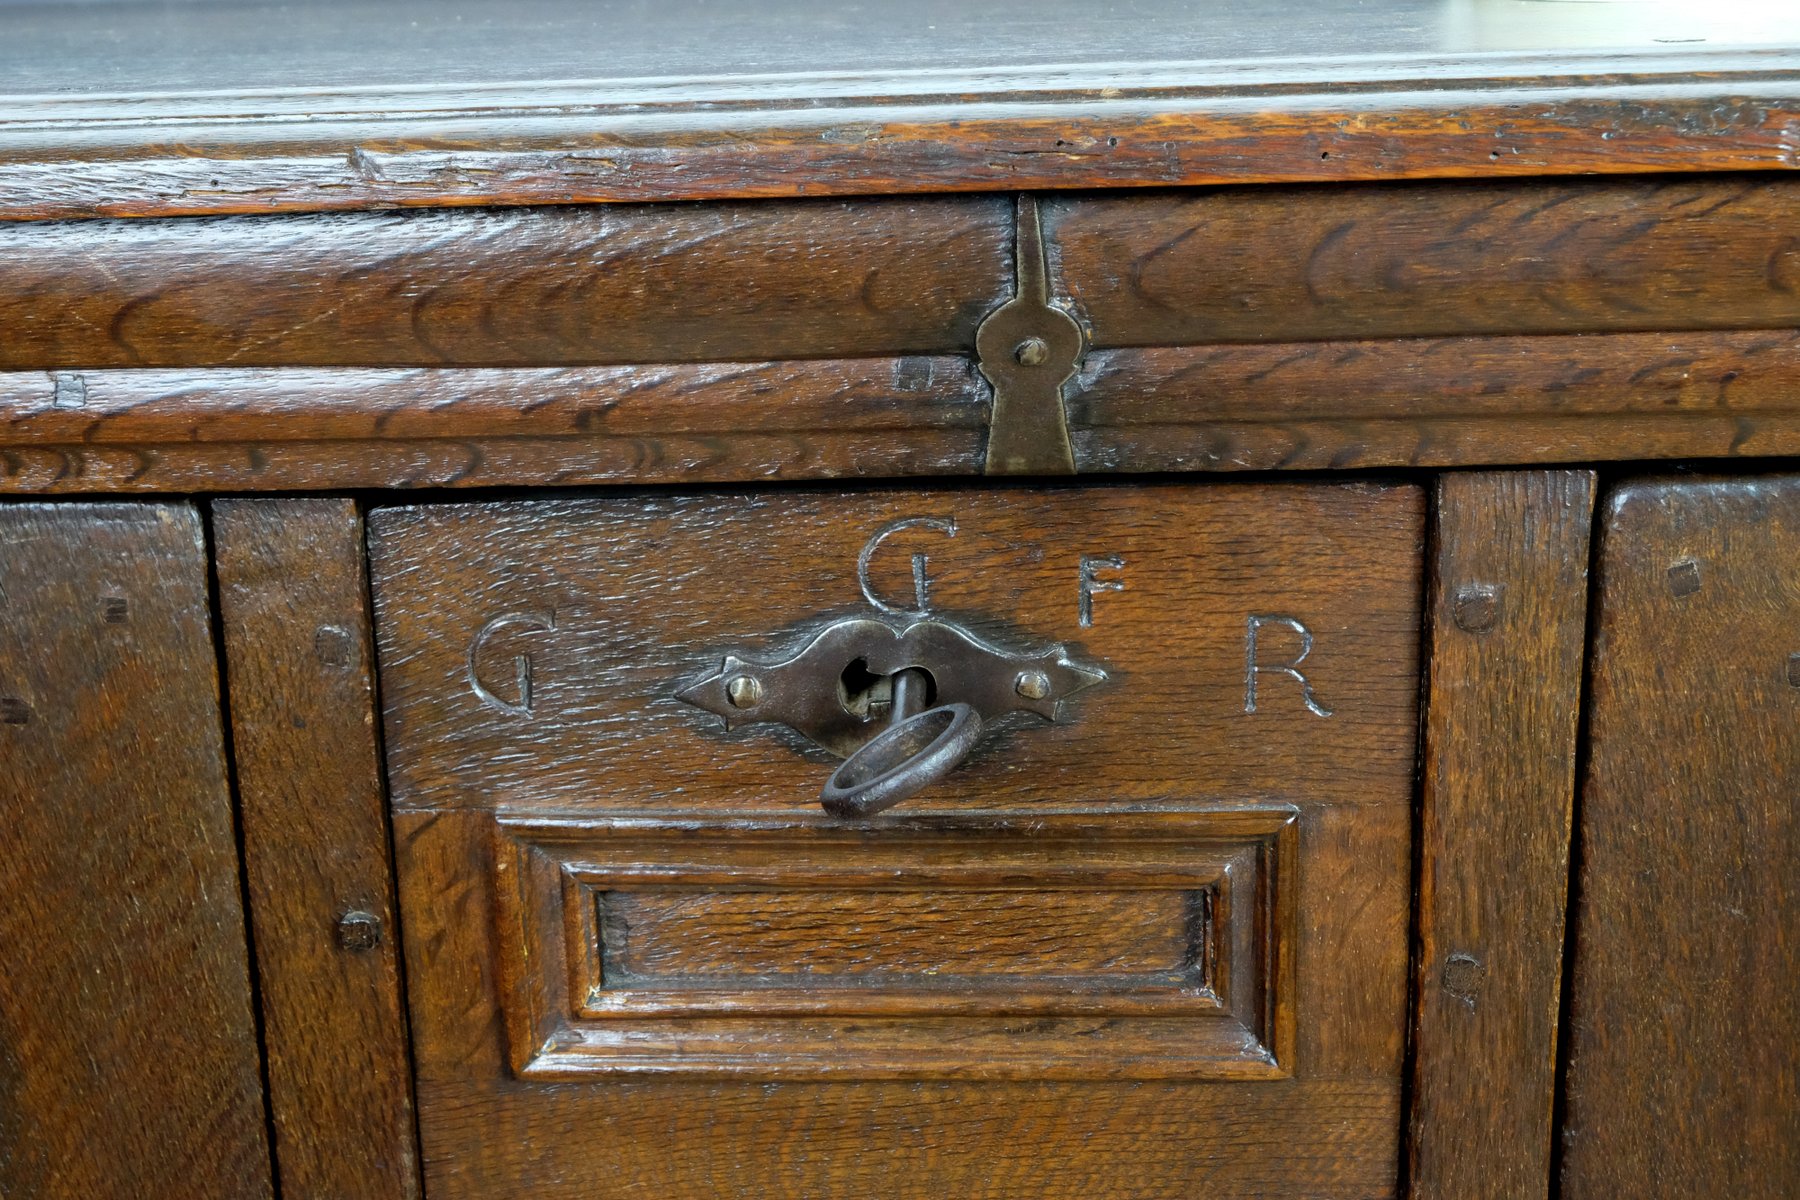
[[917, 132], [279, 428], [1312, 405]]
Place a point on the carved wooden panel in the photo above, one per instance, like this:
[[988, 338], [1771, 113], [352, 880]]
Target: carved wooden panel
[[1151, 944], [1159, 941]]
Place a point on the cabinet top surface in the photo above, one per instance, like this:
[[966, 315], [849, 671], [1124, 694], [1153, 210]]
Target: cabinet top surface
[[229, 106], [93, 48]]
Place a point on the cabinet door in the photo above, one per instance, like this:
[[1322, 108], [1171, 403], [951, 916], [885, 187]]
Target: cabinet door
[[1684, 1066], [1154, 947], [128, 1056]]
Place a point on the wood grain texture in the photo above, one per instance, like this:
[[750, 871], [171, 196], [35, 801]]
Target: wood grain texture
[[690, 939], [273, 428], [537, 287], [646, 592], [1225, 1012], [294, 607], [1508, 617], [128, 1054], [1513, 257], [1308, 405], [1683, 1074], [1438, 402], [1041, 122], [484, 1131]]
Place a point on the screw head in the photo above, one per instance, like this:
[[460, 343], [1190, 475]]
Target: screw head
[[1032, 352], [358, 930], [1033, 685], [744, 691]]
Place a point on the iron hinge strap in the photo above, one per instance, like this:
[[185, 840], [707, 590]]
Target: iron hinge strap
[[1027, 349]]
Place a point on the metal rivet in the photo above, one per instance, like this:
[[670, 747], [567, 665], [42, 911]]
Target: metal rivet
[[1476, 608], [746, 691], [1033, 685], [1032, 352], [358, 930], [1463, 974], [1684, 578]]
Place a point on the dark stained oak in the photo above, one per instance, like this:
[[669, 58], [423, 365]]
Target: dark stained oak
[[648, 592], [1218, 883], [1455, 401], [1508, 615], [1274, 264], [129, 1065], [157, 109], [294, 606], [667, 284], [299, 428], [1683, 1072], [533, 287], [1437, 402], [548, 785]]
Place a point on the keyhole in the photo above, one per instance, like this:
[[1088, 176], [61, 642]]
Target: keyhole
[[868, 696]]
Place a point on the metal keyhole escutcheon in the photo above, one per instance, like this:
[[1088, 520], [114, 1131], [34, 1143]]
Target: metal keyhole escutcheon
[[919, 747], [974, 684]]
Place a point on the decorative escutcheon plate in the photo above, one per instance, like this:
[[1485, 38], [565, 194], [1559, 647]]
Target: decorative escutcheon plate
[[807, 692]]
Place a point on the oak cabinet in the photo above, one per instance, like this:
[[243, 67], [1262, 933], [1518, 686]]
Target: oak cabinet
[[1163, 933], [1006, 601]]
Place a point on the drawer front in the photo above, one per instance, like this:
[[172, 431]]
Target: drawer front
[[1157, 939]]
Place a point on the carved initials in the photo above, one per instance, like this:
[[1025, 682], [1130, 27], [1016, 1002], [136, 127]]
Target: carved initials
[[536, 622], [1090, 563], [921, 581], [1253, 667]]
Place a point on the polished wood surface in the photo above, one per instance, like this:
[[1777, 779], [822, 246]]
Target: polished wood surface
[[681, 283], [546, 780], [540, 287], [1306, 264], [574, 898], [1243, 925], [1236, 329], [1435, 402], [663, 584], [1682, 1062], [129, 1064], [1508, 617], [233, 106], [290, 429], [293, 603], [1439, 402]]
